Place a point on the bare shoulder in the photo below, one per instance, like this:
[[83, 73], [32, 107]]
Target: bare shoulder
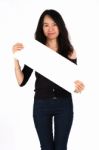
[[73, 55]]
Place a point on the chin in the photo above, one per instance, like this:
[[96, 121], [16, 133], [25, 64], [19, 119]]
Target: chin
[[51, 37]]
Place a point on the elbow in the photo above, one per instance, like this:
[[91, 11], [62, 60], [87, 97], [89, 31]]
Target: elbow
[[21, 84]]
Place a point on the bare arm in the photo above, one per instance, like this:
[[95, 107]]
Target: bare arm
[[18, 72]]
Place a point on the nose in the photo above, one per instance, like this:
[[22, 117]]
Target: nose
[[50, 28]]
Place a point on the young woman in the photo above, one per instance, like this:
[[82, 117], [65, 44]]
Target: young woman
[[52, 104]]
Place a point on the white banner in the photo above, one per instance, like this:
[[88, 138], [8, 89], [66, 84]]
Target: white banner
[[49, 63]]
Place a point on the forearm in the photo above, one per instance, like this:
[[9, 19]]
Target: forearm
[[18, 72]]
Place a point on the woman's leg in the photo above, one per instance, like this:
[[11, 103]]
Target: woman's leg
[[63, 122], [43, 124]]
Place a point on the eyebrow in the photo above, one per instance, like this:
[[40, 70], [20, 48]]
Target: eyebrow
[[44, 23]]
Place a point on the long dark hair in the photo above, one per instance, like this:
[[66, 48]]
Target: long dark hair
[[64, 44]]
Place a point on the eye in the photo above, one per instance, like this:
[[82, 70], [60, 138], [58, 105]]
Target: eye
[[45, 25], [54, 24]]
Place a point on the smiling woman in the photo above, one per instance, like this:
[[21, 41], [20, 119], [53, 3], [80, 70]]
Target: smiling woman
[[18, 20], [50, 100]]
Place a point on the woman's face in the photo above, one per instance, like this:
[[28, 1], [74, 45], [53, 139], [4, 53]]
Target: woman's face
[[50, 28]]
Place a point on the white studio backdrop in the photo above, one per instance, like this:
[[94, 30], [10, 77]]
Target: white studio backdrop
[[18, 20]]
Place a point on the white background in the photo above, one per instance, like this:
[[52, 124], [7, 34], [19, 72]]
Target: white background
[[18, 20]]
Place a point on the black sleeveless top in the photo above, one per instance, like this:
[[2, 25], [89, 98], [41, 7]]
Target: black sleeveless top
[[44, 88]]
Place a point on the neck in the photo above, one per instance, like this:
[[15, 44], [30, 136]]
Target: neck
[[52, 44]]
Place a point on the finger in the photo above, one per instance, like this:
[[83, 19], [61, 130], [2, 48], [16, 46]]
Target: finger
[[79, 84], [78, 88], [77, 91], [18, 45]]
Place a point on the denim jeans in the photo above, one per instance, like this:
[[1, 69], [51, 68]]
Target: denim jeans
[[57, 112]]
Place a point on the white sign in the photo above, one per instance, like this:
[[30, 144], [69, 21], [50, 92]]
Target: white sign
[[50, 64]]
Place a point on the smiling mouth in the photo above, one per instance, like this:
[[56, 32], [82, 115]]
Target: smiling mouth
[[51, 33]]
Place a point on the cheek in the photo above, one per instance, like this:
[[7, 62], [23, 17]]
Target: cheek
[[45, 31], [57, 31]]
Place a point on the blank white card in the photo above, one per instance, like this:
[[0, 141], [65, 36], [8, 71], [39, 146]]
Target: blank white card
[[49, 63]]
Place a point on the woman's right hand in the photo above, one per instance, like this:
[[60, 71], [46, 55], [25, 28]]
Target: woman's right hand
[[17, 47]]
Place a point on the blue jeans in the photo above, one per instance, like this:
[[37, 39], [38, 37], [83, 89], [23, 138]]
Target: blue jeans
[[59, 112]]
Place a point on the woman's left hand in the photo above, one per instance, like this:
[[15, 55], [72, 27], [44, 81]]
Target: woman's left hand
[[79, 86]]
